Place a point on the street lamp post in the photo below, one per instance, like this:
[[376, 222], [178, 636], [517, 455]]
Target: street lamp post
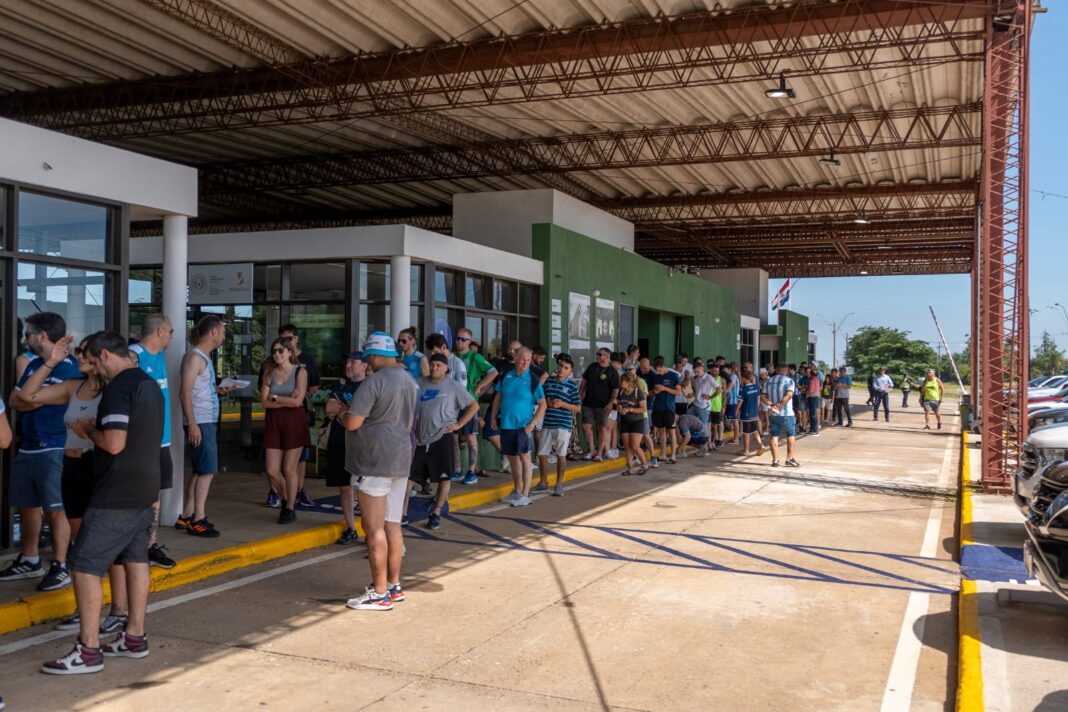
[[834, 335]]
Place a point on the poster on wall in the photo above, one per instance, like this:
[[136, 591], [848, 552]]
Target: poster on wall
[[220, 284], [606, 324], [578, 320], [556, 306], [557, 321], [556, 336]]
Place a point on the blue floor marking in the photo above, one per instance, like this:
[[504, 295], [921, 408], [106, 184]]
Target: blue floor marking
[[980, 562]]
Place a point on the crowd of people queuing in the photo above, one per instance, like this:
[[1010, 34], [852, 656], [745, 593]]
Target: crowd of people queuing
[[96, 437]]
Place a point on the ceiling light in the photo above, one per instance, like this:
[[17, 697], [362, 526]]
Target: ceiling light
[[864, 271], [883, 247], [830, 160], [780, 92], [862, 219]]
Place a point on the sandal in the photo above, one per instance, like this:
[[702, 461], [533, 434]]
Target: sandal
[[642, 470], [626, 473], [672, 461]]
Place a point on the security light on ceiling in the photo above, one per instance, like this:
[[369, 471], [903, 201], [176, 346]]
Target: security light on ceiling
[[782, 91], [864, 271], [830, 160], [862, 219]]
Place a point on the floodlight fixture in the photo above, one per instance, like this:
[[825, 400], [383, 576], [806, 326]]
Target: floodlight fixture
[[783, 91]]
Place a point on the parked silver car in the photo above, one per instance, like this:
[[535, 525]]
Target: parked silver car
[[1040, 492]]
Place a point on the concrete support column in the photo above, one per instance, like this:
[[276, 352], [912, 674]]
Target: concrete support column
[[175, 269], [400, 293]]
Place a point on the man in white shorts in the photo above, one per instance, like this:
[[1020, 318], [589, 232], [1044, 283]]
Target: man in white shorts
[[378, 448], [562, 399]]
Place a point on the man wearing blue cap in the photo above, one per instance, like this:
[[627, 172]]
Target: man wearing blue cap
[[378, 448], [336, 474]]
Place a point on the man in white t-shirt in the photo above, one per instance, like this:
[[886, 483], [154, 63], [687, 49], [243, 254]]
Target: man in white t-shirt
[[704, 386]]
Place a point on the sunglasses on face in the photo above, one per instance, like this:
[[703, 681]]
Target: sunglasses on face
[[278, 351], [402, 341], [462, 338]]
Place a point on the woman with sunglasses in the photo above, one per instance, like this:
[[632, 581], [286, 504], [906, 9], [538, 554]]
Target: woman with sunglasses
[[285, 432], [415, 363]]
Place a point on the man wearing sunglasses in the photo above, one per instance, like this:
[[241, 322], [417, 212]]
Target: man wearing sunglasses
[[480, 376], [37, 472]]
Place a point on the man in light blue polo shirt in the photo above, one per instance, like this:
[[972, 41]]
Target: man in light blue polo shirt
[[779, 397], [156, 335], [520, 401]]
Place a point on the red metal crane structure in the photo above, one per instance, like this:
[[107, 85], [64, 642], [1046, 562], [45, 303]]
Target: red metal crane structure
[[900, 147]]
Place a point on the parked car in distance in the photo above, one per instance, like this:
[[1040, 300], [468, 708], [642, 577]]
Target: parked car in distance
[[1044, 396], [1039, 417]]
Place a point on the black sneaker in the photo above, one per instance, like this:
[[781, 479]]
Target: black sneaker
[[287, 515], [19, 569], [157, 556], [349, 536], [71, 622], [113, 624], [57, 577], [202, 528], [791, 462], [183, 522]]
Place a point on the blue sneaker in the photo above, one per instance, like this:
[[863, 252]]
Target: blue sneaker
[[469, 479], [456, 476], [304, 500], [433, 521], [272, 500]]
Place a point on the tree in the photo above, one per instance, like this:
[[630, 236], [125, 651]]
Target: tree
[[875, 347], [1047, 359]]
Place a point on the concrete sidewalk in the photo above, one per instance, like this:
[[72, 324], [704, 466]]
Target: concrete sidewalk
[[1014, 632]]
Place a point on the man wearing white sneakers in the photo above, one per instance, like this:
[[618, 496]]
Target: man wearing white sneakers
[[520, 400], [378, 448]]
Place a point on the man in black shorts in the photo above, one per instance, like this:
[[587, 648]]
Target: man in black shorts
[[118, 521], [664, 389], [598, 390], [445, 406], [336, 474]]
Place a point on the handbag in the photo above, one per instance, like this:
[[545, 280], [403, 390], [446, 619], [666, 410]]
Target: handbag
[[322, 440]]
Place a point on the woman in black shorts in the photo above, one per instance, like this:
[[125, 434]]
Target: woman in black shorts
[[285, 432], [630, 404]]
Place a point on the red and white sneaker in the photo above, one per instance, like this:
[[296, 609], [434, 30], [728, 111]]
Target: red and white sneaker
[[396, 592], [79, 661], [125, 645], [371, 601]]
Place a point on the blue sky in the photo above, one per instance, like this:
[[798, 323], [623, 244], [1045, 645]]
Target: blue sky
[[901, 302]]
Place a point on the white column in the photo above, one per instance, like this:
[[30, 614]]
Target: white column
[[175, 268], [400, 293]]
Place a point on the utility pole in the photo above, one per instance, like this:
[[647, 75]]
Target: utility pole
[[835, 328]]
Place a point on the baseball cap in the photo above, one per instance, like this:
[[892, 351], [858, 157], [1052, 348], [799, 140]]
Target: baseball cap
[[380, 344], [440, 358], [355, 355]]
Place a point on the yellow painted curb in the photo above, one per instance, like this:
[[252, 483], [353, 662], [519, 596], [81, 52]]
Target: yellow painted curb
[[969, 658], [969, 666], [40, 607]]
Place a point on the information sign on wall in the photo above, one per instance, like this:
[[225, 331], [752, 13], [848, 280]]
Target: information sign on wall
[[220, 284]]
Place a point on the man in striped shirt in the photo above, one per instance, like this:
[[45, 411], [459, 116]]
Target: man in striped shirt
[[779, 398], [562, 399]]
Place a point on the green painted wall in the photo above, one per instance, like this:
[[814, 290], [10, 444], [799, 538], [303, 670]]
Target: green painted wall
[[575, 263], [793, 342]]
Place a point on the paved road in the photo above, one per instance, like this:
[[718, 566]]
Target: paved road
[[715, 584]]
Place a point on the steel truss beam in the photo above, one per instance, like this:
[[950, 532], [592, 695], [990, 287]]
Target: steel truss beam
[[930, 200], [437, 219], [756, 42], [1003, 300], [756, 139]]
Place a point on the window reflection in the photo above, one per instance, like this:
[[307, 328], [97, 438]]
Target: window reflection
[[62, 228]]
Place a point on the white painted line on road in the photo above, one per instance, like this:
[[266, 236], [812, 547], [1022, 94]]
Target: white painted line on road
[[897, 695], [184, 598]]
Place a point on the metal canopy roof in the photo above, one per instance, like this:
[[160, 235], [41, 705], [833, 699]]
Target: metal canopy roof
[[304, 113]]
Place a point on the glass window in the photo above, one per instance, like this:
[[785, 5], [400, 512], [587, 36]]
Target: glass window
[[75, 294], [447, 322], [528, 333], [373, 317], [474, 323], [322, 333], [374, 280], [417, 283], [447, 288], [415, 318], [503, 296], [62, 228], [145, 286], [528, 299], [267, 283], [475, 292], [322, 281], [495, 338]]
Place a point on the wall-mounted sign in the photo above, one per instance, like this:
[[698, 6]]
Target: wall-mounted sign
[[557, 306], [606, 323], [696, 329], [220, 284], [578, 320]]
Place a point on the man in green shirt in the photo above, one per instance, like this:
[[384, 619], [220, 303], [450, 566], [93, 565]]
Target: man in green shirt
[[480, 377], [715, 416], [906, 386]]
